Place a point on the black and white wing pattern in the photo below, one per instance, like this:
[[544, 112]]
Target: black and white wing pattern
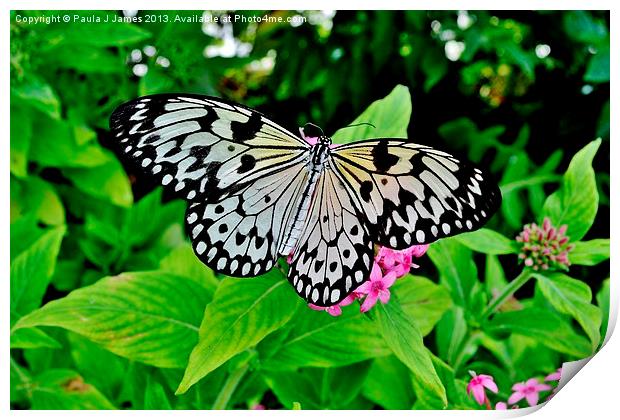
[[414, 194], [334, 252], [202, 147], [241, 173]]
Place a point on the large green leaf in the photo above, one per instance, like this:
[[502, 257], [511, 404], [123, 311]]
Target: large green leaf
[[318, 339], [422, 300], [576, 201], [389, 115], [63, 389], [590, 252], [488, 241], [404, 338], [543, 326], [572, 297], [151, 317], [242, 313], [32, 271]]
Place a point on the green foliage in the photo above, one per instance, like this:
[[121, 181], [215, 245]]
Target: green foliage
[[110, 308]]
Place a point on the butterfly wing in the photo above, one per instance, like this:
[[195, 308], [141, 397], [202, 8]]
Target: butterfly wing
[[241, 173], [334, 252], [240, 235], [204, 148], [413, 194]]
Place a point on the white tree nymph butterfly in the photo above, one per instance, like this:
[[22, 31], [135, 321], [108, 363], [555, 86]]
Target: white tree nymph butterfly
[[256, 191]]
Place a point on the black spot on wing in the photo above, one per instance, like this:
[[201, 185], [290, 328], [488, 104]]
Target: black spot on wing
[[382, 158], [365, 190], [246, 130], [248, 162]]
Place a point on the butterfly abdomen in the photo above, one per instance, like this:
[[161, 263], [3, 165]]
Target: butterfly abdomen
[[319, 155]]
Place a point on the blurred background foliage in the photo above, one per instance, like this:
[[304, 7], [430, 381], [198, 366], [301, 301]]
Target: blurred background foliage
[[519, 92]]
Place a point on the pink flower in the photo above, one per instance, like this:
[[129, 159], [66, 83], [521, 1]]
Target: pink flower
[[376, 288], [555, 376], [501, 406], [336, 310], [544, 247], [399, 261], [528, 390], [258, 407], [477, 385]]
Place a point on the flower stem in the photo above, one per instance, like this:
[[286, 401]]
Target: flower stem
[[229, 387], [508, 291]]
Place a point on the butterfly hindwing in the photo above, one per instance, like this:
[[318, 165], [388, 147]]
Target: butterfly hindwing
[[413, 194], [202, 148], [334, 252]]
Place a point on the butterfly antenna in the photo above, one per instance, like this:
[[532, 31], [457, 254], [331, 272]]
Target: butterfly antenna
[[358, 124]]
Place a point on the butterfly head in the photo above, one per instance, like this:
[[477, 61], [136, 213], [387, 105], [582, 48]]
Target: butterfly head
[[313, 134]]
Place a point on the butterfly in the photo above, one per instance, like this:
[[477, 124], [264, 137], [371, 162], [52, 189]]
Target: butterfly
[[257, 191]]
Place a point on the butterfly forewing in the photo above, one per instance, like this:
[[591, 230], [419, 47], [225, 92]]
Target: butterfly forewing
[[334, 252], [201, 147], [413, 194]]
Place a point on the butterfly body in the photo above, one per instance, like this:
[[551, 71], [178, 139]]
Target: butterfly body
[[256, 191]]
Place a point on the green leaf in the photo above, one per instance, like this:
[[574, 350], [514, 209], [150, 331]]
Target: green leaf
[[107, 181], [32, 271], [494, 276], [20, 380], [572, 297], [155, 397], [403, 337], [318, 339], [38, 94], [590, 252], [422, 300], [388, 384], [242, 313], [603, 299], [63, 389], [488, 241], [456, 268], [576, 201], [86, 59], [32, 338], [389, 115], [545, 327], [150, 317]]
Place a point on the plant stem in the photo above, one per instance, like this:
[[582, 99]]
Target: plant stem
[[508, 291], [229, 387]]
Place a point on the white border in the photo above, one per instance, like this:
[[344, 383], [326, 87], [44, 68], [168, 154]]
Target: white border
[[592, 394]]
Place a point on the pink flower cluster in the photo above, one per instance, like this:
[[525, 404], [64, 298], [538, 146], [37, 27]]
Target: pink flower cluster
[[529, 390], [544, 247], [389, 265]]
